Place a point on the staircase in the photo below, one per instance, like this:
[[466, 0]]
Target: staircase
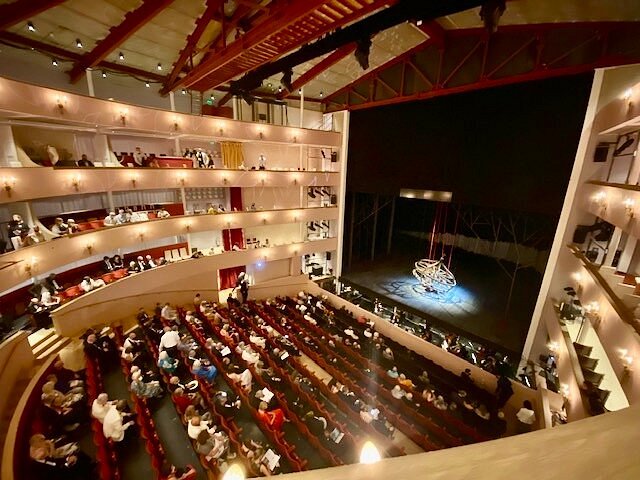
[[46, 342], [625, 292]]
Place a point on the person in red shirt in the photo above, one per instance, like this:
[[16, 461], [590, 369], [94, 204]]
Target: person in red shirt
[[274, 418]]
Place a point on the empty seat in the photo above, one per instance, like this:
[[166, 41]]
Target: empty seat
[[587, 363], [183, 253], [593, 377], [167, 256], [175, 255]]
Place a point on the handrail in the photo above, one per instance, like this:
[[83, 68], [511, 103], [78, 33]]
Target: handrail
[[624, 186]]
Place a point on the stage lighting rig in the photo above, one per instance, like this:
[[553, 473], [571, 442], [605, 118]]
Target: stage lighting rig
[[363, 47], [490, 13]]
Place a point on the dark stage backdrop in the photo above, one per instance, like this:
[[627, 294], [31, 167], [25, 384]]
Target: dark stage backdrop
[[510, 147]]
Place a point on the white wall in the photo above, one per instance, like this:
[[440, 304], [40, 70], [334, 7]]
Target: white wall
[[123, 143], [277, 234], [206, 240], [262, 272], [271, 198]]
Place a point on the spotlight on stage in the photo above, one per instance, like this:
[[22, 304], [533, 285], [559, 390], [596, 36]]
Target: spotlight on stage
[[434, 276]]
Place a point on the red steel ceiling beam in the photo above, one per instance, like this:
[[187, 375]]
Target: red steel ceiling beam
[[320, 67], [470, 59], [21, 10], [60, 53], [213, 6], [282, 17], [132, 22]]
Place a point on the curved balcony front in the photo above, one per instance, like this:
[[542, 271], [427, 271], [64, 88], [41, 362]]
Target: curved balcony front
[[27, 262]]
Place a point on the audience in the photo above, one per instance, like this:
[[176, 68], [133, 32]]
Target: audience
[[113, 425]]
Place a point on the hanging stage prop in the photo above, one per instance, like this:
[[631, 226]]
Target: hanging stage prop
[[434, 276]]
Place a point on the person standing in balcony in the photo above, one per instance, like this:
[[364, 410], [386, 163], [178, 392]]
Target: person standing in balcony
[[85, 162], [139, 157], [35, 236]]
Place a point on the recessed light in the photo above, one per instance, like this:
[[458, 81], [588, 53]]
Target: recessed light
[[159, 67], [54, 62], [146, 84], [121, 56], [104, 74], [31, 27], [78, 43]]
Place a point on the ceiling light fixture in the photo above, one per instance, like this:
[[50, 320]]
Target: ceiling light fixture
[[31, 27], [104, 74], [121, 56], [146, 84], [78, 43], [159, 67], [54, 62], [321, 93], [184, 92]]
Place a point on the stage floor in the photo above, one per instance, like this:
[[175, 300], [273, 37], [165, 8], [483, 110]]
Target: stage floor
[[477, 304]]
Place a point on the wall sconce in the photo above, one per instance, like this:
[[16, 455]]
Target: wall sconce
[[61, 103], [294, 139], [225, 180], [564, 390], [90, 248], [187, 226], [295, 180], [628, 207], [229, 225], [134, 179], [264, 221], [141, 235], [592, 308], [30, 267], [176, 125], [627, 361], [181, 179], [75, 182], [577, 276], [628, 93], [9, 183], [123, 117], [600, 199], [260, 135], [553, 347]]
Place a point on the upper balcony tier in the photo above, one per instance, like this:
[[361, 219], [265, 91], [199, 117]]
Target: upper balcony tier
[[21, 264], [22, 102], [22, 184], [617, 203]]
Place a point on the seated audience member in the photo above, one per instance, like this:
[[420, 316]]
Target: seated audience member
[[51, 284], [59, 227], [135, 217], [244, 379], [317, 425], [387, 353], [100, 349], [107, 264], [62, 460], [403, 380], [168, 311], [139, 157], [162, 213], [184, 400], [170, 472], [132, 341], [89, 284], [526, 417], [169, 341], [166, 363], [212, 446], [204, 372], [427, 395], [17, 226], [397, 392], [145, 389], [150, 263], [141, 264], [273, 419], [36, 236], [113, 425], [117, 262], [424, 378], [393, 372], [466, 376], [48, 300], [101, 406], [133, 267], [110, 220], [122, 217], [197, 425], [85, 162], [482, 411], [440, 404], [67, 387], [72, 226], [227, 407]]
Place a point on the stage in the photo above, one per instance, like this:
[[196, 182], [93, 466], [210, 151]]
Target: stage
[[477, 304]]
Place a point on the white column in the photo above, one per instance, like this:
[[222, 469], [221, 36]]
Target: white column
[[301, 106], [112, 207], [89, 76], [102, 152], [567, 208], [342, 191], [8, 151], [172, 102], [236, 107]]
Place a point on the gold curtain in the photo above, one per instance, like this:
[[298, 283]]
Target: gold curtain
[[232, 156]]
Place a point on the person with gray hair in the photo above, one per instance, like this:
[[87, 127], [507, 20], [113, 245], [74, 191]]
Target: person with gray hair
[[101, 406]]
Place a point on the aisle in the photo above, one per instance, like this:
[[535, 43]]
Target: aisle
[[134, 460]]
